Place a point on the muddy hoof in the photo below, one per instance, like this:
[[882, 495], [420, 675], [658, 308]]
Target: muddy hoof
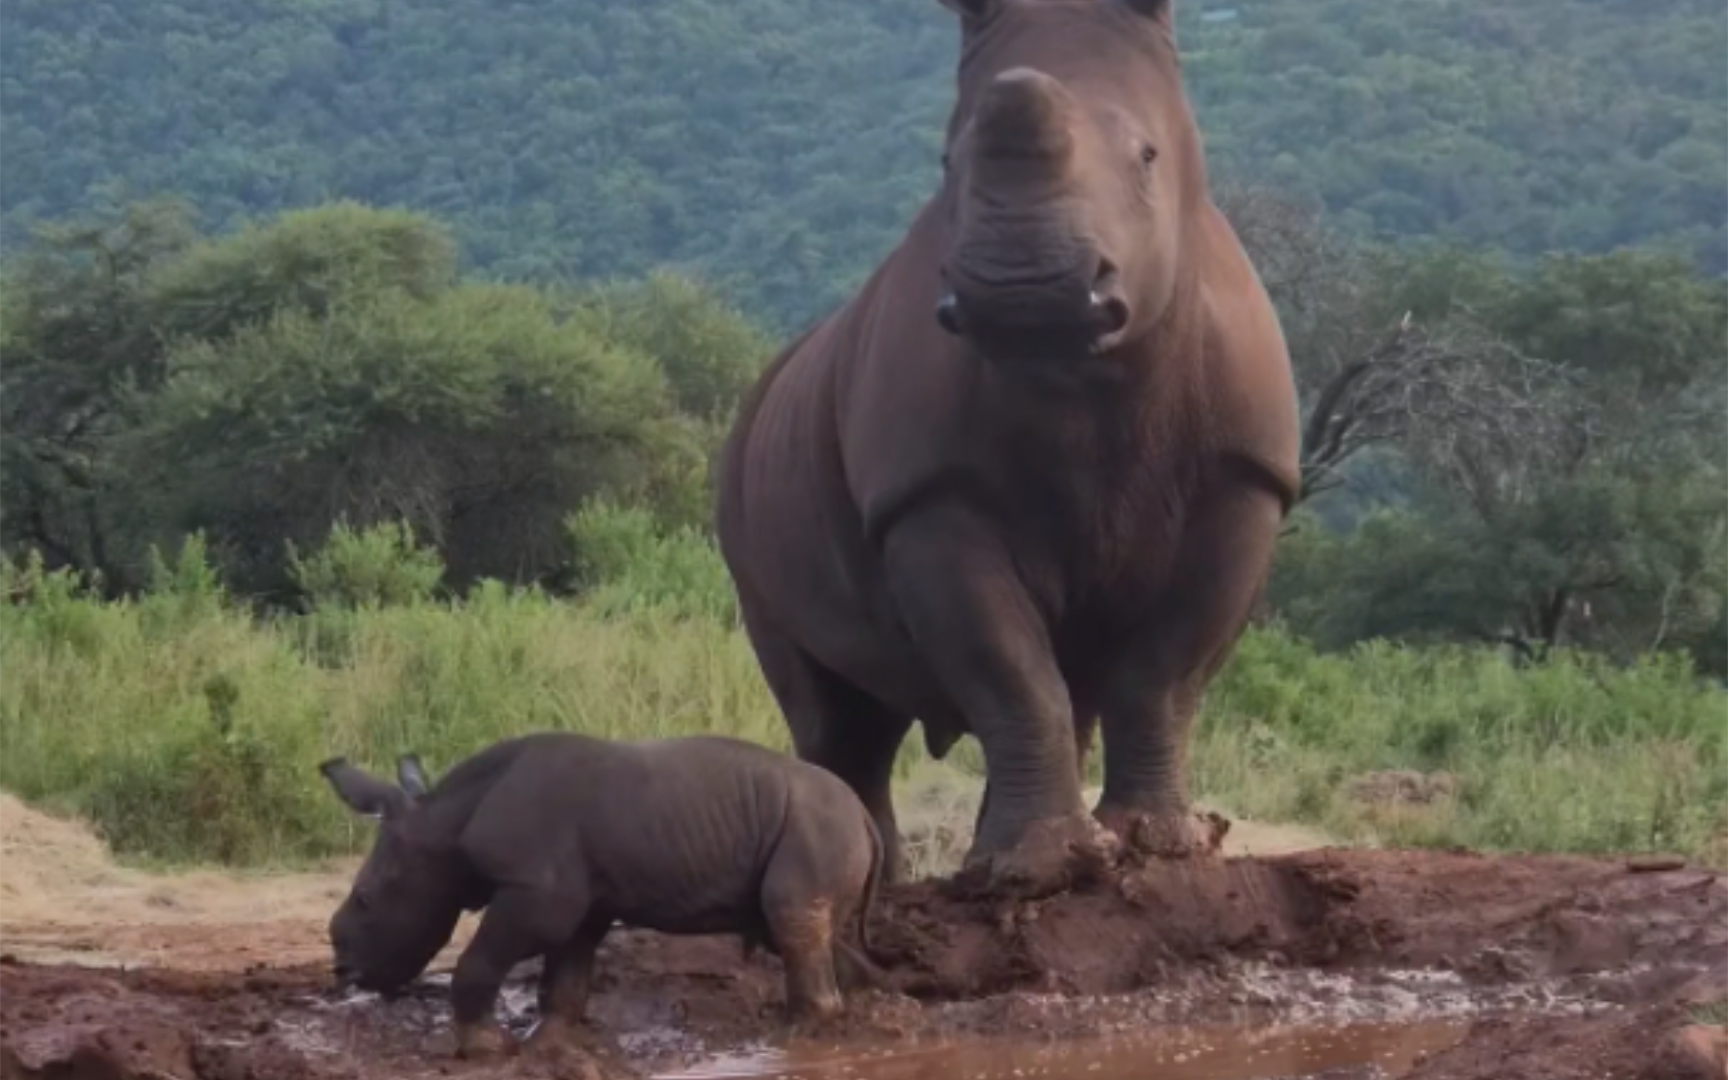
[[560, 1044], [482, 1042], [1167, 836], [1051, 856]]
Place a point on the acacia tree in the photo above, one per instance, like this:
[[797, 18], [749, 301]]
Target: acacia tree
[[80, 350], [328, 366], [1371, 374], [1563, 426]]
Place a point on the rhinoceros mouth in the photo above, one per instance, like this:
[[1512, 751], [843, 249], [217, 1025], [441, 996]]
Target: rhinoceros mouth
[[1097, 332]]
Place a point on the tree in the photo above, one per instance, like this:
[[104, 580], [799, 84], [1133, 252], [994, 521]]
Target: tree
[[328, 366], [1595, 518], [1368, 376], [81, 349]]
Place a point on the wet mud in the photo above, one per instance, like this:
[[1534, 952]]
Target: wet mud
[[1324, 964]]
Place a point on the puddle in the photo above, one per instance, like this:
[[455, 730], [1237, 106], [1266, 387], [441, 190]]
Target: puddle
[[1376, 1051]]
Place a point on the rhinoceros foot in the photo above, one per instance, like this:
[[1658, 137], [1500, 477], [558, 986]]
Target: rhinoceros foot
[[483, 1041], [1151, 834], [1052, 855]]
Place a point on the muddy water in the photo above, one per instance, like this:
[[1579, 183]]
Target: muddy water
[[1377, 1050]]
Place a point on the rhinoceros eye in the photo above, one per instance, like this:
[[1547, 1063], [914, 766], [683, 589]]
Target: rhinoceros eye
[[1148, 154]]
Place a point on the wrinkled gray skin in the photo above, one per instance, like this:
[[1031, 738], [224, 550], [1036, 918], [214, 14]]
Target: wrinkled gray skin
[[558, 835]]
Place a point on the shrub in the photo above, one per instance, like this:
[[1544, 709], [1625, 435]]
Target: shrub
[[367, 568]]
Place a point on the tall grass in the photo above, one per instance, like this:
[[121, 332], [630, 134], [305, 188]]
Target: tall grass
[[189, 729]]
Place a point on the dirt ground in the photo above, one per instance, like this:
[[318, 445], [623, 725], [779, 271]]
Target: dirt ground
[[1432, 966]]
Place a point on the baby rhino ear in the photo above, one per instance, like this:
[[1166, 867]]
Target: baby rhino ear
[[364, 793]]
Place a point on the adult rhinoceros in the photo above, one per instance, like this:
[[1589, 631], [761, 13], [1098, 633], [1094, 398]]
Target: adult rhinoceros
[[1030, 477]]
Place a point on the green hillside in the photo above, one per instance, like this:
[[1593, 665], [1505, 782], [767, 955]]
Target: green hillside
[[778, 146]]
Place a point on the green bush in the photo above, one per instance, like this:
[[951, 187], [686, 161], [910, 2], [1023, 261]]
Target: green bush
[[371, 567], [190, 730], [627, 563]]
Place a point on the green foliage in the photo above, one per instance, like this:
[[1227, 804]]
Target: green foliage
[[428, 411], [1574, 755], [367, 568], [779, 146], [628, 563], [307, 261], [79, 347], [199, 738], [1614, 542], [709, 353], [326, 366]]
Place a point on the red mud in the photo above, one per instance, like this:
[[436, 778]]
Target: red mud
[[1562, 968]]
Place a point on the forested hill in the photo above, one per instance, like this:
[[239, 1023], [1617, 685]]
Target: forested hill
[[780, 145]]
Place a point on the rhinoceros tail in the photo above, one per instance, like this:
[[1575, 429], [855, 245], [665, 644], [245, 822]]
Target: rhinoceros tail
[[872, 884]]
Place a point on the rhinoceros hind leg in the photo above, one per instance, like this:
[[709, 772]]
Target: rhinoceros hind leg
[[803, 931]]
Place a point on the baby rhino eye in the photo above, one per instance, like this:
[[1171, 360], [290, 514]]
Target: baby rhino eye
[[1147, 154]]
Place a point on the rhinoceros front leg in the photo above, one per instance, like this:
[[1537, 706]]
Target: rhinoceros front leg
[[518, 924], [975, 625], [565, 981], [1159, 678]]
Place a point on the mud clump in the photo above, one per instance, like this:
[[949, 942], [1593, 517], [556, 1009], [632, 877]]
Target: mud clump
[[1492, 919], [1556, 962]]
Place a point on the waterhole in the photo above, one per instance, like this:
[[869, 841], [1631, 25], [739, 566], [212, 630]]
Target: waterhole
[[1377, 1051]]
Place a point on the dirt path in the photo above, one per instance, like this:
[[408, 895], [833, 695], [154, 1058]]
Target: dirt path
[[1371, 964]]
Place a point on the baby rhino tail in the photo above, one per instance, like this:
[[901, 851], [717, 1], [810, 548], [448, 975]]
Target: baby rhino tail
[[872, 883], [856, 966]]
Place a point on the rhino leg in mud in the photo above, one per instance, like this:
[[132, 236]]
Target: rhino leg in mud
[[1085, 725], [1155, 689], [518, 924], [804, 937], [567, 977], [959, 592]]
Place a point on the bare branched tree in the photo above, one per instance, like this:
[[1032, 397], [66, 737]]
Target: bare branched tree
[[1450, 393]]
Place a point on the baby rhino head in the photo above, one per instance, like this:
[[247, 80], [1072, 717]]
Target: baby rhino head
[[407, 897]]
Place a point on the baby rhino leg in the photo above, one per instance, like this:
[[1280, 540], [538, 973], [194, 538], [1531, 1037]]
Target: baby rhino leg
[[801, 924]]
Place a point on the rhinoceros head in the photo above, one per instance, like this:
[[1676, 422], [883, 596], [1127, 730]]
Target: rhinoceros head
[[1071, 161], [407, 897]]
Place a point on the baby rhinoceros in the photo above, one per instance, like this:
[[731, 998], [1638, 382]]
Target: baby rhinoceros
[[558, 835]]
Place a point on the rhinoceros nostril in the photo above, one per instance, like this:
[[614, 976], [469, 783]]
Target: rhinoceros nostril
[[948, 315], [1109, 314]]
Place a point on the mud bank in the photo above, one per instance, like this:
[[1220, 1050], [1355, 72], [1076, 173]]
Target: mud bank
[[1533, 967]]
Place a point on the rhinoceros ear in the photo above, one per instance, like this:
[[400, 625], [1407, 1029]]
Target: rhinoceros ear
[[364, 793], [971, 11], [1164, 11], [412, 776]]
